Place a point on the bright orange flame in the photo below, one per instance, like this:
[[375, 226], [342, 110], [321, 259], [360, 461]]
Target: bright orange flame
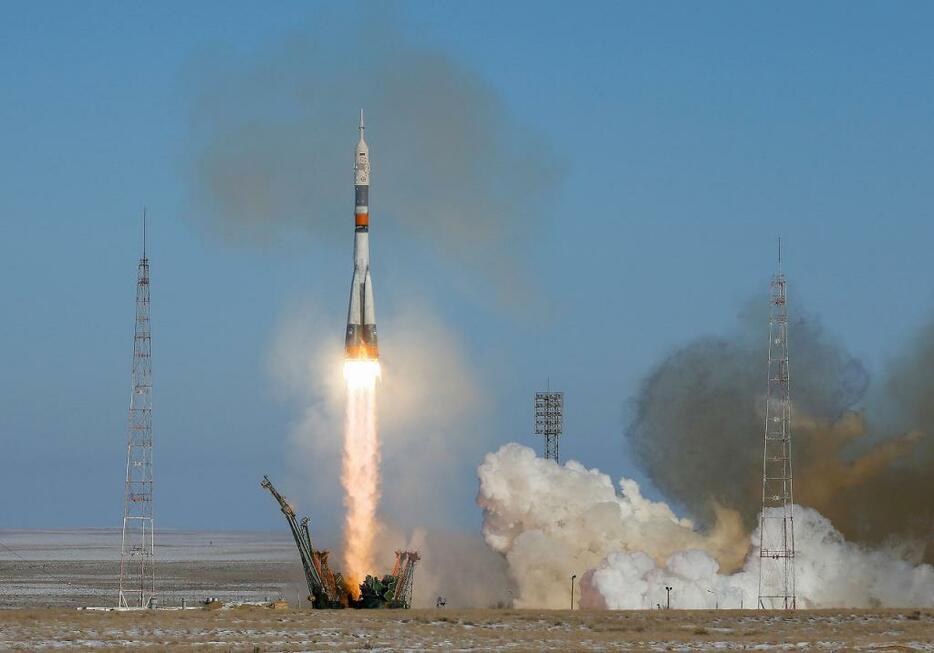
[[360, 472]]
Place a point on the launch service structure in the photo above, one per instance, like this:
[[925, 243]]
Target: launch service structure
[[327, 589], [776, 521], [137, 570]]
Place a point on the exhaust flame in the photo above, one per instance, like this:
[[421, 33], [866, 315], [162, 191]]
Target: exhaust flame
[[360, 472], [360, 372]]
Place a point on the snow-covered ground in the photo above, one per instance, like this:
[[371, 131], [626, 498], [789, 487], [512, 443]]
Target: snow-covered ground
[[80, 567]]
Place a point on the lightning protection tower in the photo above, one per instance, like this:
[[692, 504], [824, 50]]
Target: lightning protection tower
[[776, 522], [137, 573], [549, 420]]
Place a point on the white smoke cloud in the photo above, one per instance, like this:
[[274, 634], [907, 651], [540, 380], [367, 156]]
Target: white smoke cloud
[[305, 362], [553, 521], [633, 581]]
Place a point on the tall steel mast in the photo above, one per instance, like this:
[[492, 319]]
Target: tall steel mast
[[549, 420], [776, 522], [137, 571]]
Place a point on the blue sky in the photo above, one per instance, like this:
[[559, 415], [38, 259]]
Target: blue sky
[[689, 137]]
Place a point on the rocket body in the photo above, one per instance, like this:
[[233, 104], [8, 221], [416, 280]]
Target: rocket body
[[360, 340]]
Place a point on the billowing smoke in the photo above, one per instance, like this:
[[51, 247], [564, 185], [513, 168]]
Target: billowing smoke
[[552, 522], [829, 572], [453, 167], [861, 459]]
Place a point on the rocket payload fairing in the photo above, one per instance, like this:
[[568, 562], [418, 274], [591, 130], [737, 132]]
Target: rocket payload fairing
[[360, 341]]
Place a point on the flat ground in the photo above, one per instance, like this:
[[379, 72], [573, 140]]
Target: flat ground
[[81, 583], [77, 568], [263, 629], [46, 575]]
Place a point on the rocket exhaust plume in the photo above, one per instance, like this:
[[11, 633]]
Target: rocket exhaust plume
[[360, 469]]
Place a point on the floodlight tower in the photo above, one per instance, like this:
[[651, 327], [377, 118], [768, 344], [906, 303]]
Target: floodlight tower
[[137, 573], [776, 522], [549, 420]]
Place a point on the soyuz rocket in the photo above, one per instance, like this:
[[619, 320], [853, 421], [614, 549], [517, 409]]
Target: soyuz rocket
[[360, 341]]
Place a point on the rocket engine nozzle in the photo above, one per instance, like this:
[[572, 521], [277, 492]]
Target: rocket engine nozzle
[[360, 349]]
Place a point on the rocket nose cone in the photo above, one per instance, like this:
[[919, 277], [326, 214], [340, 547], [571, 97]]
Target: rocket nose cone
[[362, 159], [361, 144]]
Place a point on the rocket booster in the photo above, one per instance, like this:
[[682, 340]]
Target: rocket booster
[[360, 341]]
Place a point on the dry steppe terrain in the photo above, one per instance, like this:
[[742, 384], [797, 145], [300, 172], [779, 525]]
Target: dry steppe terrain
[[262, 629], [46, 575]]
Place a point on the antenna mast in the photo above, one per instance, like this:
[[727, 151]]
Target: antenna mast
[[137, 572], [776, 522]]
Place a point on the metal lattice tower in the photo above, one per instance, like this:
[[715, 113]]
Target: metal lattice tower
[[549, 420], [137, 571], [776, 522]]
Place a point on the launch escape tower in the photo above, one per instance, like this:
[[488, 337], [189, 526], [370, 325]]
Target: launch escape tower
[[549, 420], [776, 522], [137, 574]]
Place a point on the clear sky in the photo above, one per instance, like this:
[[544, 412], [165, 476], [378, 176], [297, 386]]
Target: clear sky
[[689, 136]]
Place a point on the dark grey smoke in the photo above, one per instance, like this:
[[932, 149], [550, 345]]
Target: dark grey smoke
[[698, 426], [453, 167]]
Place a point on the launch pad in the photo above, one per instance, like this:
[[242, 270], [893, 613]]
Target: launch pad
[[327, 589]]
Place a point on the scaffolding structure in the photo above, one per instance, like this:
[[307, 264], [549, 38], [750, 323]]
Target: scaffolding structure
[[137, 571], [549, 420], [776, 521], [325, 588], [404, 572]]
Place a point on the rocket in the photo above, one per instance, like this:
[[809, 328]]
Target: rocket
[[360, 341]]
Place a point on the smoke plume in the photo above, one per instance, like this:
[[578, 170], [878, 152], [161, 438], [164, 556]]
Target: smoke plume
[[829, 572], [554, 521], [453, 168], [698, 429]]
